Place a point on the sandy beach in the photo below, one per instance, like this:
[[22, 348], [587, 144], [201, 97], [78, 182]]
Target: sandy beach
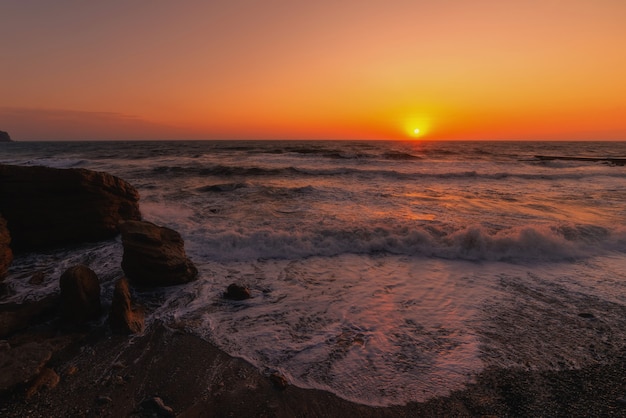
[[110, 375]]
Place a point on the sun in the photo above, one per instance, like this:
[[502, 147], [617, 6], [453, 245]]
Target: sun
[[416, 126], [415, 132]]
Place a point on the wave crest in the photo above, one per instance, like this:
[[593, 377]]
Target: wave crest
[[532, 243]]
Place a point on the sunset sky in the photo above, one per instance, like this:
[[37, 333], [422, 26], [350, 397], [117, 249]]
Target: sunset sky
[[452, 69]]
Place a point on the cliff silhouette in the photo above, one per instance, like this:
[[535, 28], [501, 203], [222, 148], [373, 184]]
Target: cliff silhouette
[[4, 137]]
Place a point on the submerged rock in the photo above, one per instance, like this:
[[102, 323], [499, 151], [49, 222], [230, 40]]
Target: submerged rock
[[6, 255], [48, 207], [37, 278], [237, 292], [80, 294], [123, 318], [155, 255]]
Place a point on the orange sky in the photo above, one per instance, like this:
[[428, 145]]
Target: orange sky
[[158, 69]]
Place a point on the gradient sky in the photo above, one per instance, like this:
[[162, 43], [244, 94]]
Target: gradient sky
[[355, 69]]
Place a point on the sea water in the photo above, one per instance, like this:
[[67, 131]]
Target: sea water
[[385, 272]]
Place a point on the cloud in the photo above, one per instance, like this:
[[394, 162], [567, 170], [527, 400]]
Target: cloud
[[29, 124]]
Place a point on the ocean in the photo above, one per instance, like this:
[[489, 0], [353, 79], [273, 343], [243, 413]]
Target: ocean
[[384, 272]]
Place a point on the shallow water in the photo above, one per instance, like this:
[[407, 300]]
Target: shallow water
[[384, 272]]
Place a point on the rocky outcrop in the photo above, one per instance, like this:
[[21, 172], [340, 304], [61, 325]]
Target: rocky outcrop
[[47, 207], [80, 294], [15, 317], [22, 364], [123, 317], [154, 255], [4, 137], [6, 255], [47, 379]]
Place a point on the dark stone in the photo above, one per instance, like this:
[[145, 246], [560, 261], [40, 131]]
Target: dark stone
[[80, 294], [123, 318], [37, 278], [237, 292], [279, 381], [586, 315], [6, 255], [4, 137], [155, 255], [49, 207]]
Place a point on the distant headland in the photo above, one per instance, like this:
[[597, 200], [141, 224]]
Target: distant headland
[[4, 137]]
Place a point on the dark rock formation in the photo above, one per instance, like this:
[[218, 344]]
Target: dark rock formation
[[6, 255], [80, 294], [237, 292], [123, 318], [47, 379], [47, 207], [4, 137], [15, 317], [22, 364], [155, 255], [279, 381]]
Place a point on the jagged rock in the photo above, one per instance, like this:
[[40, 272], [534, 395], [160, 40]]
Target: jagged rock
[[6, 255], [15, 317], [80, 294], [237, 292], [4, 137], [47, 379], [48, 207], [279, 381], [21, 364], [123, 318], [154, 255]]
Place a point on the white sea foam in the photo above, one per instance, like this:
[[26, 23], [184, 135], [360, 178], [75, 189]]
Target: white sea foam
[[516, 244]]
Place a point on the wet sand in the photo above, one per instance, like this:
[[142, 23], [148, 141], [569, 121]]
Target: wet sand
[[111, 375]]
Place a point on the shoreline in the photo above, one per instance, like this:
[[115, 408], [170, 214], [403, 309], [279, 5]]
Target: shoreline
[[100, 373], [104, 374]]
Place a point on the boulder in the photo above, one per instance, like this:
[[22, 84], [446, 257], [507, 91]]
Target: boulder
[[6, 255], [154, 255], [4, 137], [80, 294], [46, 207], [123, 318], [237, 292]]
